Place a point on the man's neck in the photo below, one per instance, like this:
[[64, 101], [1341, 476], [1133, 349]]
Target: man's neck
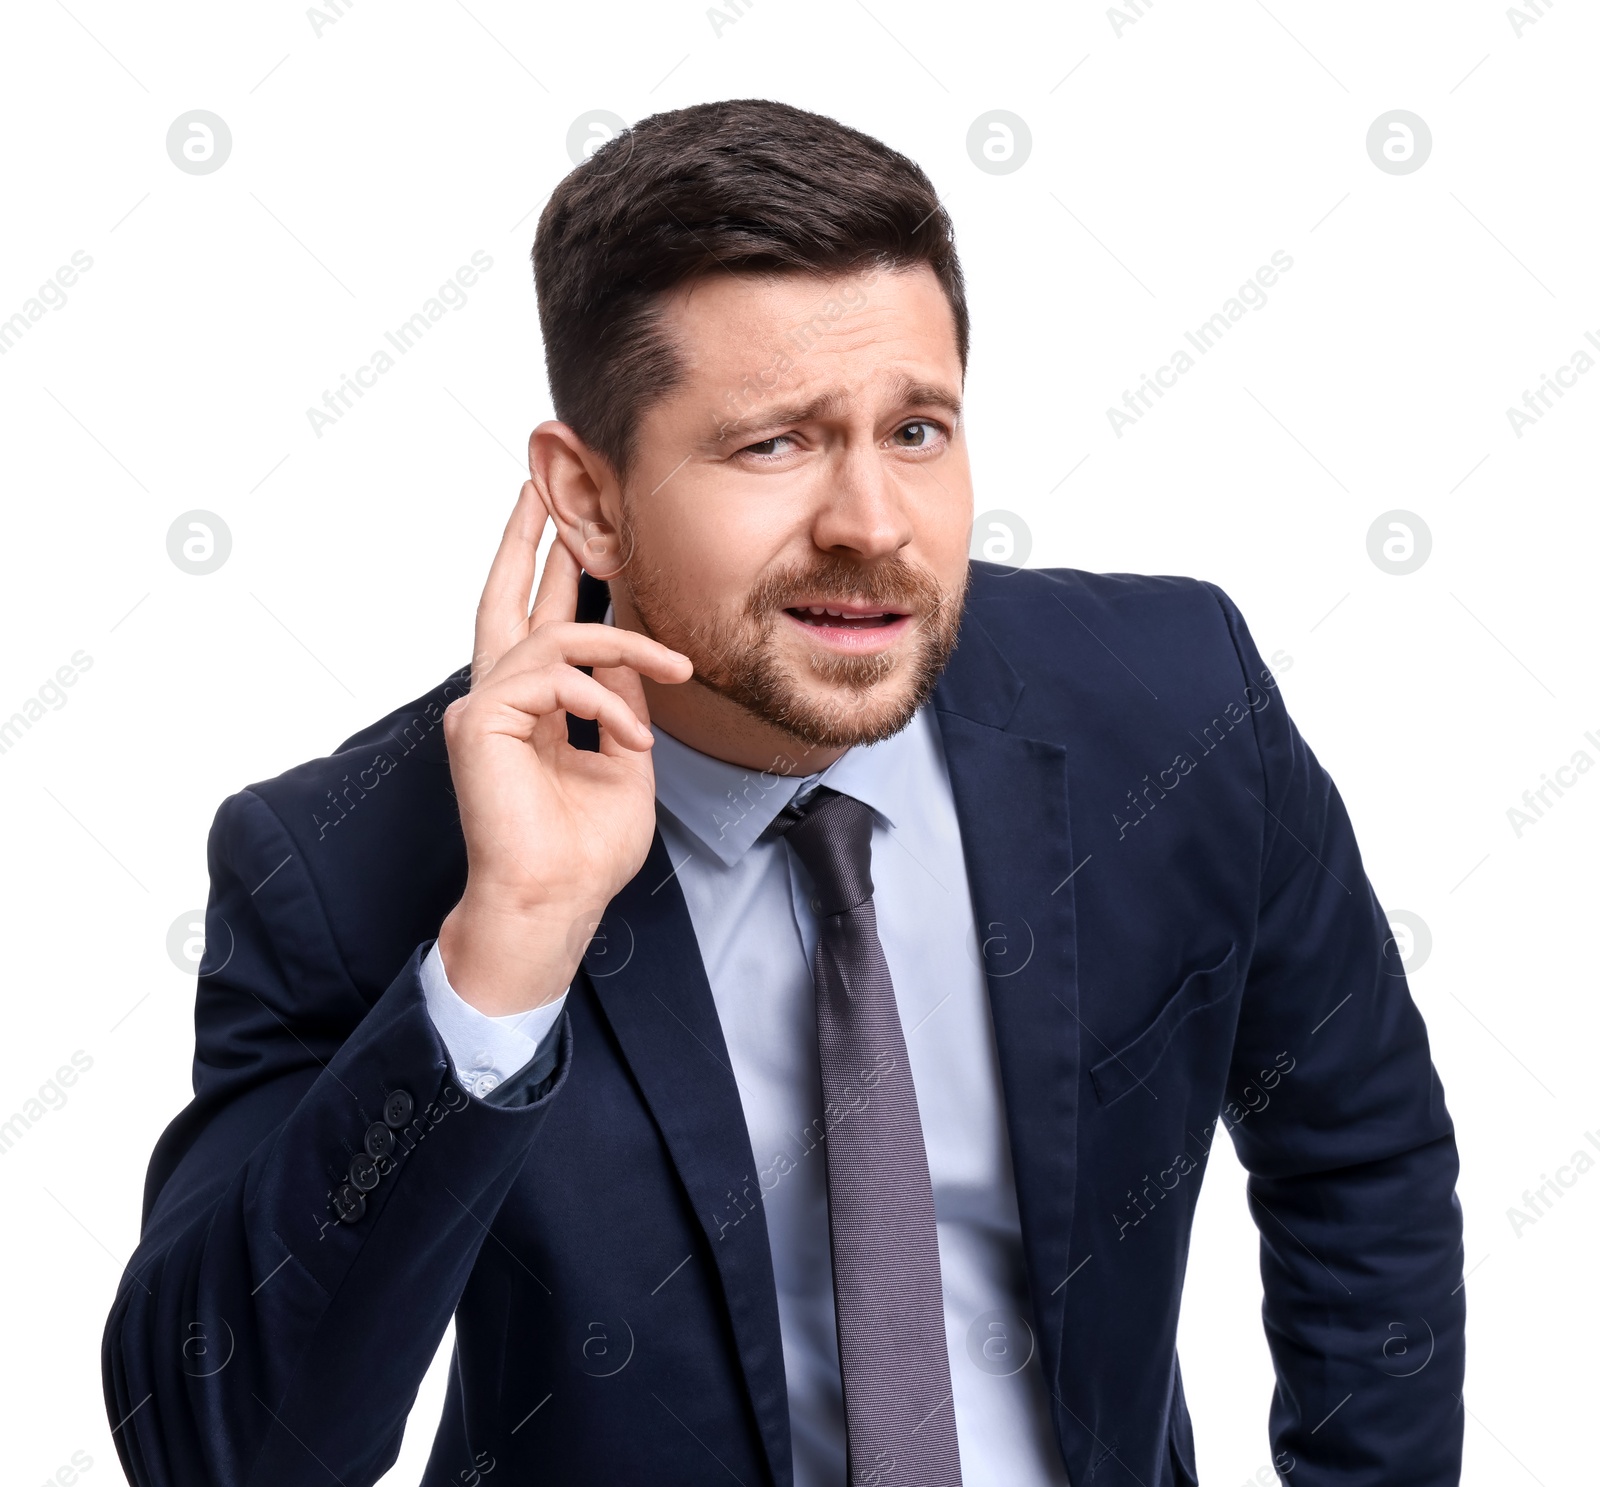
[[710, 723]]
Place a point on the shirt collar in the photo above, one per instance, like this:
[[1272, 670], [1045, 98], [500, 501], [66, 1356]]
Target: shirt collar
[[724, 806]]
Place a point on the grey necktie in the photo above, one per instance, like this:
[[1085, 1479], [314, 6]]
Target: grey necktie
[[900, 1421]]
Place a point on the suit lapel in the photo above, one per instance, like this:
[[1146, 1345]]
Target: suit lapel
[[1011, 800], [644, 965]]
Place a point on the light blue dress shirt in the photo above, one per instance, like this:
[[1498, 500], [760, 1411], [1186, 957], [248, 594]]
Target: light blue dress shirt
[[749, 901]]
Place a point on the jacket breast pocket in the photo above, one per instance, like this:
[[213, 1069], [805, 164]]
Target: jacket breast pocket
[[1131, 1067]]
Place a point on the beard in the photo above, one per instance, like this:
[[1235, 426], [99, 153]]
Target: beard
[[826, 700]]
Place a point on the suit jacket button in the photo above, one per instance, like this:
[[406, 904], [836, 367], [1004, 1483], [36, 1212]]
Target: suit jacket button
[[363, 1172], [379, 1140], [348, 1204], [397, 1108]]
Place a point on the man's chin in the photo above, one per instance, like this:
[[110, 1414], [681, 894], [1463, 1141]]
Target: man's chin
[[822, 694], [830, 711]]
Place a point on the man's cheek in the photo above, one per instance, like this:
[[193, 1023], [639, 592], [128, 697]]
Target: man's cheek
[[944, 533], [709, 567]]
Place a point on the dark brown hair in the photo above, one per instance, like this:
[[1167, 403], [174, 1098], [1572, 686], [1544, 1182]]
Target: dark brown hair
[[742, 186]]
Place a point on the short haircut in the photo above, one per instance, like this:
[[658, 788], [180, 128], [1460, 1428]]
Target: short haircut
[[745, 186]]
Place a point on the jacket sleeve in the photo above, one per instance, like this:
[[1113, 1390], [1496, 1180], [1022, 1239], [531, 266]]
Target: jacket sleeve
[[311, 1218], [1337, 1114]]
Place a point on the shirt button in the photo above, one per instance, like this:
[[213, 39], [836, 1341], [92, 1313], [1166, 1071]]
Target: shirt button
[[484, 1084], [483, 1059], [816, 906]]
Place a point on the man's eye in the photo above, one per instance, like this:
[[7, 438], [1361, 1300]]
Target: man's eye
[[916, 435], [767, 447]]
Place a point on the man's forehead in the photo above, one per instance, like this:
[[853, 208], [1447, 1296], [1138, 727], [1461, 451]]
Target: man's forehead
[[724, 319], [754, 292]]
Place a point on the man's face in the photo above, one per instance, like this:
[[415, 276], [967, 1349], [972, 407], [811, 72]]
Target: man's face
[[799, 511]]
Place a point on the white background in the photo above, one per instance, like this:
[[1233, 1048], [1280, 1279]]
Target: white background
[[1172, 154]]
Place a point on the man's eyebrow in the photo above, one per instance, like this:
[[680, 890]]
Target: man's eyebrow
[[928, 395], [825, 405], [906, 392]]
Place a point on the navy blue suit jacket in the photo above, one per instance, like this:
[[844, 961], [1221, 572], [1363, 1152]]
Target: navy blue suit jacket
[[1179, 939]]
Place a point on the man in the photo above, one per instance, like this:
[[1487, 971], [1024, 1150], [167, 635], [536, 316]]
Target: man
[[781, 1002]]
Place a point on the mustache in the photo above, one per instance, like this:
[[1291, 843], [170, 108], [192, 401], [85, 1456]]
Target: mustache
[[891, 584]]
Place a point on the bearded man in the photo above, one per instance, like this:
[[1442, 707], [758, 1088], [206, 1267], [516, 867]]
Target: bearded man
[[779, 999]]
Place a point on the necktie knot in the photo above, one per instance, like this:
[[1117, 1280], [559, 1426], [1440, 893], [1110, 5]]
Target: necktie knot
[[832, 835]]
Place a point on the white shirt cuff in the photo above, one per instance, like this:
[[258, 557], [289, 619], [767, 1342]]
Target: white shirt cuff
[[485, 1051]]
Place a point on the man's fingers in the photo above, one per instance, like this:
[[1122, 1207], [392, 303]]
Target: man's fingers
[[624, 681], [605, 645], [597, 645], [503, 608], [516, 704], [557, 598]]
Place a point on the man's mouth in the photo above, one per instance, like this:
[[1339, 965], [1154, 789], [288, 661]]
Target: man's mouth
[[847, 617], [849, 629]]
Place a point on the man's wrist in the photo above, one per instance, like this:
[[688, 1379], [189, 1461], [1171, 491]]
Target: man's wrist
[[503, 958]]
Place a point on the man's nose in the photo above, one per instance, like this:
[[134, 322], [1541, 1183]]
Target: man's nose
[[861, 509]]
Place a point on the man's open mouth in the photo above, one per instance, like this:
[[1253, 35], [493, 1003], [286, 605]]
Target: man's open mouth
[[848, 617]]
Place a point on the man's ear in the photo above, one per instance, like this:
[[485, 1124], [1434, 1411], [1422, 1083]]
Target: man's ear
[[583, 495]]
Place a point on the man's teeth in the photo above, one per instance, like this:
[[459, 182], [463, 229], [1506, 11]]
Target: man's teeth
[[819, 610]]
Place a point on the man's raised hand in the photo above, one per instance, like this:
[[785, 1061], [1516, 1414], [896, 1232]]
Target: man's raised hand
[[552, 831]]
